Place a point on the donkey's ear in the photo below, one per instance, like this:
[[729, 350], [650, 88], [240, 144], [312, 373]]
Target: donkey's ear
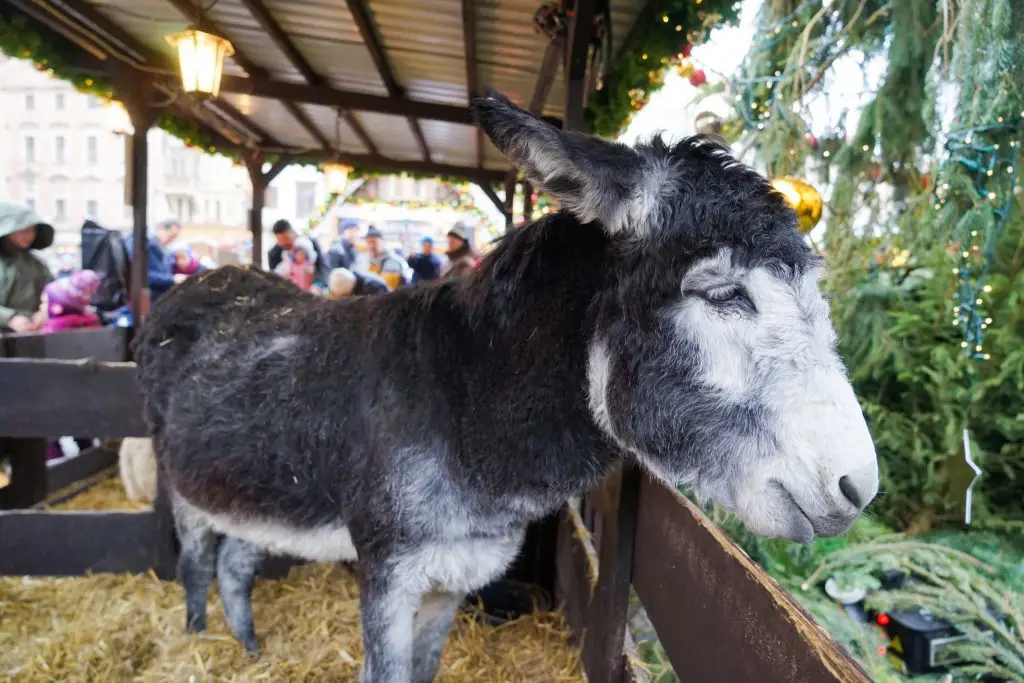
[[594, 179]]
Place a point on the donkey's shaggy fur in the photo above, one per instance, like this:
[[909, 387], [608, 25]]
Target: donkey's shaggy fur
[[670, 313]]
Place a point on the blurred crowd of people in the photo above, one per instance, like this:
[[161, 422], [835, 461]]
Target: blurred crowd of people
[[349, 270], [33, 300]]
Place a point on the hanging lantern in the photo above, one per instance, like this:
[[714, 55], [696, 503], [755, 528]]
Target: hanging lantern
[[337, 177], [120, 122], [201, 60], [708, 123], [802, 198]]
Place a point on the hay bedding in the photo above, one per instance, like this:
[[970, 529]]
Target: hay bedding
[[102, 491], [117, 628]]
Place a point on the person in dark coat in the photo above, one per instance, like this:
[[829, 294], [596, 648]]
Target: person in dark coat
[[425, 265], [344, 282], [285, 236], [159, 262], [342, 253]]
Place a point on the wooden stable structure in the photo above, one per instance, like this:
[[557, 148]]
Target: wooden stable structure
[[342, 80]]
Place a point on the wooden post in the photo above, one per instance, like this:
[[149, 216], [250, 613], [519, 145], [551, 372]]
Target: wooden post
[[606, 618], [260, 182], [581, 30], [259, 189], [136, 93], [510, 197], [527, 201]]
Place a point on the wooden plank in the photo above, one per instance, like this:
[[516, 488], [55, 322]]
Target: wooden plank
[[719, 616], [99, 343], [59, 397], [603, 654], [581, 30], [38, 543], [87, 463], [576, 570]]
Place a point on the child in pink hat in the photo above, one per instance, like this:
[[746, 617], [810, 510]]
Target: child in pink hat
[[66, 302]]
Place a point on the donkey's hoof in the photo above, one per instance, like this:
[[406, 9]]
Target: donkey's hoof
[[252, 648], [195, 624]]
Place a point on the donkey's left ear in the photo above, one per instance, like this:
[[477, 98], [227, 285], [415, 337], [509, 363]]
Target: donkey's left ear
[[593, 179]]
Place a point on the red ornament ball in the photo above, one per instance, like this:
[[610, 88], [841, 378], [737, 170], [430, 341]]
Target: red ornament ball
[[698, 78], [812, 141], [686, 50]]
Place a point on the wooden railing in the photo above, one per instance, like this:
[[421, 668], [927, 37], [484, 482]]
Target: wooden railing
[[718, 615], [44, 398]]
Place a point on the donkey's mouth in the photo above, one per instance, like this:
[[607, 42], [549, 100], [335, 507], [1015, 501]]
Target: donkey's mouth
[[801, 528]]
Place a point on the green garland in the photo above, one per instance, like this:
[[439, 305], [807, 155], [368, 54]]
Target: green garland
[[664, 30]]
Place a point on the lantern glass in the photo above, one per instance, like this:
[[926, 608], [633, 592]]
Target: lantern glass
[[120, 122], [201, 60], [337, 177]]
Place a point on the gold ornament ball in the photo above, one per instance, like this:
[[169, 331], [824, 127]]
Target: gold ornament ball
[[685, 68], [708, 123], [802, 198]]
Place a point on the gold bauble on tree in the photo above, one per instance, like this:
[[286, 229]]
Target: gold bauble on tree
[[685, 68], [803, 199]]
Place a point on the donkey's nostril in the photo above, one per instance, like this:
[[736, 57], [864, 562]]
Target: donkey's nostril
[[850, 491]]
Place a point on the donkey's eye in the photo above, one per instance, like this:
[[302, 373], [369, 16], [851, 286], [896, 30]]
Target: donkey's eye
[[721, 295]]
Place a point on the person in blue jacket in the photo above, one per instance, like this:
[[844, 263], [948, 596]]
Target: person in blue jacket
[[159, 261]]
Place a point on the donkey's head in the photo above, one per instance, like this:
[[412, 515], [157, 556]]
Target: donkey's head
[[713, 357]]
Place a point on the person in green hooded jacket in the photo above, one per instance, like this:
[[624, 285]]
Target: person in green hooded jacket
[[22, 274]]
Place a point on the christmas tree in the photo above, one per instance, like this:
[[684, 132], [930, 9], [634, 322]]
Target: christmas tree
[[923, 226]]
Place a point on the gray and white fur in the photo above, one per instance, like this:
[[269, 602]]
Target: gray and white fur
[[670, 313]]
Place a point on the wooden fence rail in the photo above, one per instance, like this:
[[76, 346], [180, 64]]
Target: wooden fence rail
[[718, 615]]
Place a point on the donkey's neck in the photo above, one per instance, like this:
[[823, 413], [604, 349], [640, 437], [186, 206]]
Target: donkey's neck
[[531, 315]]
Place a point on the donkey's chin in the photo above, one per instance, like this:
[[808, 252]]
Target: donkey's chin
[[775, 513]]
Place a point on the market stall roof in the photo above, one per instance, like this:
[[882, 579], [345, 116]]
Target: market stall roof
[[381, 84]]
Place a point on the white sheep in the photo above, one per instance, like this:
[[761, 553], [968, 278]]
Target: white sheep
[[138, 469]]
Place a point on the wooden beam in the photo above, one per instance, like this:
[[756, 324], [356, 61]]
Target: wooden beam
[[99, 343], [282, 41], [230, 112], [694, 581], [472, 81], [356, 101], [553, 54], [495, 199], [44, 543], [59, 397], [581, 30], [87, 463], [371, 38]]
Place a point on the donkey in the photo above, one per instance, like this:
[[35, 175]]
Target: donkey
[[669, 313]]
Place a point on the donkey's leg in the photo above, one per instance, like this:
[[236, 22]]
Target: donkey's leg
[[387, 607], [433, 622], [237, 564], [196, 567]]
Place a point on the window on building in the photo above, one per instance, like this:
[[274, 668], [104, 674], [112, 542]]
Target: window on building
[[92, 149], [92, 102], [60, 210], [30, 102], [60, 101], [30, 149], [217, 211], [59, 151], [92, 208], [305, 199]]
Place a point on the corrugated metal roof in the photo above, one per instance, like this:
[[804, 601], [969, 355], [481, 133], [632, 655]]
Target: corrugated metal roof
[[424, 46]]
